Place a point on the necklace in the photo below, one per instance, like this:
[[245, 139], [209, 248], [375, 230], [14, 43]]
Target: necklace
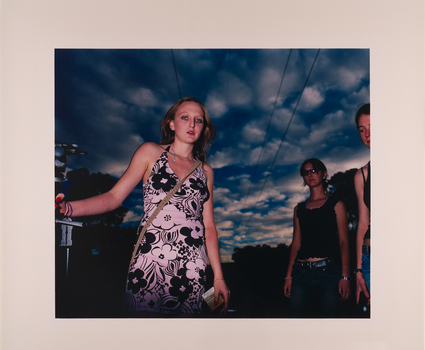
[[316, 200], [176, 154]]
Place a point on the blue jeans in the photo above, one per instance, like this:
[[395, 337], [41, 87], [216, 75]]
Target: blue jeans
[[366, 269], [314, 292]]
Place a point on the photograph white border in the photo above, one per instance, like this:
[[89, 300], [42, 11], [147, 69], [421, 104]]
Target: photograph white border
[[31, 30]]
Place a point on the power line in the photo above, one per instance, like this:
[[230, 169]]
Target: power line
[[265, 136], [284, 135], [175, 70]]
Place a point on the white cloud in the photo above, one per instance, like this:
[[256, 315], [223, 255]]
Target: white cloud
[[325, 130], [349, 78], [227, 224], [311, 98], [142, 97], [131, 216], [216, 106], [252, 133], [241, 93], [269, 82], [224, 158]]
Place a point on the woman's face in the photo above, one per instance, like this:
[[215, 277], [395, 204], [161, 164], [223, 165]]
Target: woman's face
[[188, 122], [364, 129], [312, 176]]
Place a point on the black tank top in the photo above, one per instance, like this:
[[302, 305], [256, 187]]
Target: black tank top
[[366, 195], [319, 231]]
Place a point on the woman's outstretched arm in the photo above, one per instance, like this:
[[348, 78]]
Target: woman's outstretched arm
[[112, 199]]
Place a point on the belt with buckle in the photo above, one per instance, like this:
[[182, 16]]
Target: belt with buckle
[[366, 249], [313, 264]]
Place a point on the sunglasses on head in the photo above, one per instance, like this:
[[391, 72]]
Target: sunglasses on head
[[311, 171]]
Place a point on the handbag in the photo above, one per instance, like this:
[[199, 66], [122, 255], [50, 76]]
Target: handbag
[[159, 208]]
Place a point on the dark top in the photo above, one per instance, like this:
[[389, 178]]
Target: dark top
[[319, 231], [366, 195]]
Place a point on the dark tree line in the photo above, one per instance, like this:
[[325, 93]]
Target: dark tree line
[[257, 281], [98, 258]]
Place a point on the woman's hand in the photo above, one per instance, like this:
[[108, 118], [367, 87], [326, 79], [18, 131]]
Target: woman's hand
[[60, 204], [287, 287], [361, 287], [344, 288], [220, 287]]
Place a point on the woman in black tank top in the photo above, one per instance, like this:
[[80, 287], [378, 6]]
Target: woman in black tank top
[[318, 271], [362, 185]]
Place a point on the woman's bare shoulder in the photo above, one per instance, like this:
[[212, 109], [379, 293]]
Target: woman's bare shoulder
[[340, 205], [207, 167], [208, 171], [359, 173], [150, 149], [147, 154]]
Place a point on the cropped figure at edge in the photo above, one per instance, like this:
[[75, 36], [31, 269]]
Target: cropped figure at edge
[[362, 185], [167, 275], [317, 279]]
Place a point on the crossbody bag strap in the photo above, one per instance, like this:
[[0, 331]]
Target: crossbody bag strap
[[159, 208]]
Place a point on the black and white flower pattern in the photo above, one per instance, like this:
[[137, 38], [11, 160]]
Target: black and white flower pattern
[[168, 274]]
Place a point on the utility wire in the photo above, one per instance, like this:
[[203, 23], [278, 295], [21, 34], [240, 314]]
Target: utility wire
[[175, 70], [265, 137], [284, 135]]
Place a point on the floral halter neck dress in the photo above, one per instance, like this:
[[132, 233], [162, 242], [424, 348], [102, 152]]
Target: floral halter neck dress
[[168, 271]]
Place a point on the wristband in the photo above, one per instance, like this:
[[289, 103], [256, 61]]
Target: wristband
[[358, 270], [345, 278], [288, 277]]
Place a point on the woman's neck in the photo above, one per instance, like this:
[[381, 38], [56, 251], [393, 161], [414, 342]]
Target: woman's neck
[[317, 194], [182, 150]]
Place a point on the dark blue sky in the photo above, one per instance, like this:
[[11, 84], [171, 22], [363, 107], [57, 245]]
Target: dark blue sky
[[110, 101]]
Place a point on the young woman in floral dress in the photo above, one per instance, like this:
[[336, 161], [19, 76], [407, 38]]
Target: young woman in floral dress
[[167, 275]]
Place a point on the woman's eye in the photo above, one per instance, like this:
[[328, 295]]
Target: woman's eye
[[184, 117], [200, 120]]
